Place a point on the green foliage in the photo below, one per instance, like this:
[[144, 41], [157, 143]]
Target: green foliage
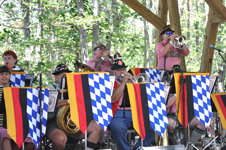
[[59, 39]]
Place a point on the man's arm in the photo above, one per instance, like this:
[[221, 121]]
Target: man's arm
[[62, 102], [170, 101], [119, 90]]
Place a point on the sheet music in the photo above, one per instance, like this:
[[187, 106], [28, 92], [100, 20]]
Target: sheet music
[[52, 101], [166, 91], [212, 81], [112, 81]]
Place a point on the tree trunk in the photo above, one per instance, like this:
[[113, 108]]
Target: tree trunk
[[196, 30], [26, 29], [83, 34], [96, 11], [108, 36], [188, 21], [39, 31]]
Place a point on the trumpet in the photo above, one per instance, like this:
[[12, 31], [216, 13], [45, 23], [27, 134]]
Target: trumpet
[[179, 41], [141, 78]]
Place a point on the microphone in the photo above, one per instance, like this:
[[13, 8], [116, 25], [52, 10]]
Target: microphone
[[211, 46]]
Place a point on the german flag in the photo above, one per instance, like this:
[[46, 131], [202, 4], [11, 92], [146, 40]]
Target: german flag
[[81, 99], [184, 113], [147, 102], [16, 113], [139, 107], [219, 100]]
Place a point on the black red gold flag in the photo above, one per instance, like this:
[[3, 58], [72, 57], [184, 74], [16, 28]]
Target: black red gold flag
[[84, 90], [219, 100], [16, 113]]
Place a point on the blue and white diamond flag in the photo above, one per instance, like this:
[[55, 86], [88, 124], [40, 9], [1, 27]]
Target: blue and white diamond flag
[[157, 108], [100, 95], [201, 98], [17, 79], [33, 113]]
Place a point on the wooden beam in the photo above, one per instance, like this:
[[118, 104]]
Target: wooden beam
[[217, 6], [162, 13], [174, 16], [218, 19], [210, 38], [175, 24], [145, 13]]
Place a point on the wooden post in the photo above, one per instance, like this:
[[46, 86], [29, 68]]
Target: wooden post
[[162, 14], [175, 24]]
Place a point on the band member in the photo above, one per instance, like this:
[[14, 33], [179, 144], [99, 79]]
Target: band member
[[57, 136], [102, 60], [10, 60], [169, 55], [6, 141], [121, 121]]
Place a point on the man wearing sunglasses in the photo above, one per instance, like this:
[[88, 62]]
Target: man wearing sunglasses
[[102, 61], [167, 54]]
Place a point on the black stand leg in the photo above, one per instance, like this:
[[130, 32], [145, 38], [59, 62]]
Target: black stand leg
[[40, 109]]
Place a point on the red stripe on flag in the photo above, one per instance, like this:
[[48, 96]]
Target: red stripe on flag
[[185, 103], [221, 104], [80, 103], [137, 71], [18, 116], [140, 111]]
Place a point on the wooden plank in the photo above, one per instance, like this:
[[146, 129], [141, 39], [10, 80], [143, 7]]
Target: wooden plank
[[210, 38], [217, 6], [145, 13], [218, 19], [162, 13]]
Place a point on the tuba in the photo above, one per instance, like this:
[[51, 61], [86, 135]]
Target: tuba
[[63, 117]]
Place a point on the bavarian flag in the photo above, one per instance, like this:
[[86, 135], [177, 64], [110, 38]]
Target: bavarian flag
[[194, 99], [219, 100], [148, 108], [90, 98], [17, 79], [153, 73], [22, 112]]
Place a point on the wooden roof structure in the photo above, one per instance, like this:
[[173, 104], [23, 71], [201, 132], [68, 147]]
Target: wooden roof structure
[[217, 14]]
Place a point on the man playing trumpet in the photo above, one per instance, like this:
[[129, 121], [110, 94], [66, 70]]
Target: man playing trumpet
[[169, 54]]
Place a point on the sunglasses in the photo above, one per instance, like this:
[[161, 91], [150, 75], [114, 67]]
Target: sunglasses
[[168, 33]]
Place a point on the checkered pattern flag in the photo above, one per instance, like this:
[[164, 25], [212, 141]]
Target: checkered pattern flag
[[100, 94], [157, 108], [17, 80], [201, 98], [33, 113], [153, 75]]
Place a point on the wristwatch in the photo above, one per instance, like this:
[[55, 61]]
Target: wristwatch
[[171, 42]]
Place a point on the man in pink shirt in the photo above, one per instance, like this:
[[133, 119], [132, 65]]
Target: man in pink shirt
[[169, 54], [102, 60]]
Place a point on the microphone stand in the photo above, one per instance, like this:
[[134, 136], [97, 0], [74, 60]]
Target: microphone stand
[[40, 109], [222, 57]]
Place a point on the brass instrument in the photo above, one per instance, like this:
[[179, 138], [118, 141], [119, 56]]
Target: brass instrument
[[179, 41], [63, 117], [141, 78]]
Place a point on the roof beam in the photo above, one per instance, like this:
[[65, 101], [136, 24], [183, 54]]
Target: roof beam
[[217, 6], [145, 13]]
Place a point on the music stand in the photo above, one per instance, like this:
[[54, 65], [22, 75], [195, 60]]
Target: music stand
[[177, 83], [29, 80]]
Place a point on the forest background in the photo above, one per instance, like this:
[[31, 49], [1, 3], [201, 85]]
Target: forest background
[[44, 33]]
